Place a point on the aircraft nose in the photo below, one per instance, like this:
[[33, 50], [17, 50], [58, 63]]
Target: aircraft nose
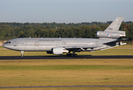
[[4, 45]]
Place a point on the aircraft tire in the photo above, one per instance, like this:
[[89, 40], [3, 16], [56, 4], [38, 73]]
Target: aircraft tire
[[22, 55], [71, 55]]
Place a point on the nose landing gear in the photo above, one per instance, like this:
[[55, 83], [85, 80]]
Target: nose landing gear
[[22, 52]]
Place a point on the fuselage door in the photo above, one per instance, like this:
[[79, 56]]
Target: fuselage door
[[37, 45], [15, 43]]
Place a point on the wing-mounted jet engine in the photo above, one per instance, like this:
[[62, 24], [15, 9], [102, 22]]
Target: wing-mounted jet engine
[[57, 51]]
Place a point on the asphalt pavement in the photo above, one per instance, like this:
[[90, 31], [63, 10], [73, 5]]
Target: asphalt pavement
[[66, 57]]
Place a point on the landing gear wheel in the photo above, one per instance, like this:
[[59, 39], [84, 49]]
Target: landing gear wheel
[[75, 55], [68, 55], [71, 55], [22, 52], [22, 55]]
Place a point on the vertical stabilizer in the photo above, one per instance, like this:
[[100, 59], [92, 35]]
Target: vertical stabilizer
[[115, 25], [112, 30]]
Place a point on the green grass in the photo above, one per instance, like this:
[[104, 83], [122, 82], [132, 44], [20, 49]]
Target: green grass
[[1, 47], [71, 88], [64, 67], [66, 72]]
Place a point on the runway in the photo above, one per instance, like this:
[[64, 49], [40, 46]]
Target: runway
[[65, 57], [68, 86]]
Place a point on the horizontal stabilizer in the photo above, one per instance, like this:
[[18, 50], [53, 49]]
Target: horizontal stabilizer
[[118, 40]]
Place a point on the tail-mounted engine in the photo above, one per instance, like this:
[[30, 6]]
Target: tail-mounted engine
[[111, 34]]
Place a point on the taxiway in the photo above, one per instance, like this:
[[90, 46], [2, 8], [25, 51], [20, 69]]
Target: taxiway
[[65, 57]]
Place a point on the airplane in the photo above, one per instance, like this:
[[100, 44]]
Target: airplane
[[108, 38]]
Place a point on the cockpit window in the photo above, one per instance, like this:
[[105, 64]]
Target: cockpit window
[[8, 42]]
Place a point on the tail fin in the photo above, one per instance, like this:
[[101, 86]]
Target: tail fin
[[112, 30], [115, 25]]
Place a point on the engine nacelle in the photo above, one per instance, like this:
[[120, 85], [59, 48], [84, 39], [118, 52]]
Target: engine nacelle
[[58, 51], [114, 34]]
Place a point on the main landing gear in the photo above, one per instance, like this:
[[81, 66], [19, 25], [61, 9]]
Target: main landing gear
[[71, 55], [22, 52]]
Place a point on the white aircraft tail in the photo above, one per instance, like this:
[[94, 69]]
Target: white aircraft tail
[[115, 25], [112, 30]]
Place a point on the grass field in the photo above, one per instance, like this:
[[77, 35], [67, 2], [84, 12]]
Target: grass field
[[68, 72]]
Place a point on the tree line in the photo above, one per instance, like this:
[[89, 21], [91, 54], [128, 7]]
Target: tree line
[[63, 30]]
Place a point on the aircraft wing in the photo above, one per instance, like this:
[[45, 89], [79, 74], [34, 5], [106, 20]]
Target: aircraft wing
[[118, 40]]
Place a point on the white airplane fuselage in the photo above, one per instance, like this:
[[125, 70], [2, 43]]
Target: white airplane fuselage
[[46, 44], [107, 39]]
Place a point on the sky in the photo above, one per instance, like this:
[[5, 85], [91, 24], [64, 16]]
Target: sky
[[65, 11]]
